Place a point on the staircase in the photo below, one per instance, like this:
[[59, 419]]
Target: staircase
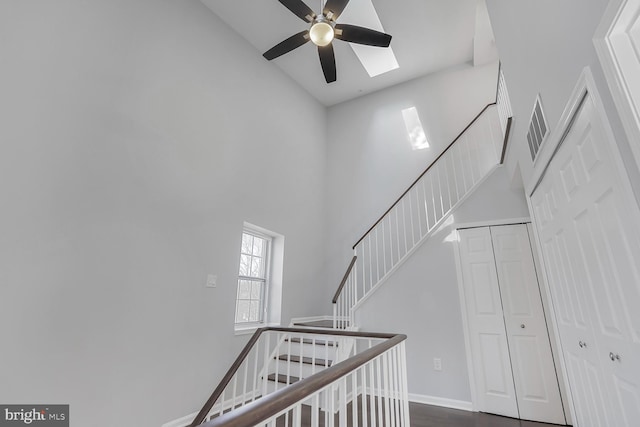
[[328, 374], [425, 205]]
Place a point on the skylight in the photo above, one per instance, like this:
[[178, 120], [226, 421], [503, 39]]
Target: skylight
[[415, 131], [374, 59]]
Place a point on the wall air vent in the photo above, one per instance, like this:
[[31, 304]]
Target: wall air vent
[[538, 129]]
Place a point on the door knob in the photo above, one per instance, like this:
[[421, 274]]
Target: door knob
[[614, 357], [522, 326], [582, 344]]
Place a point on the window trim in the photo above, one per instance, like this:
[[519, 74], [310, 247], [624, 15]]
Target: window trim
[[264, 300]]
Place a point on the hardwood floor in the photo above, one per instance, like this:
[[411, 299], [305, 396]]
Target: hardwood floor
[[421, 416], [435, 416]]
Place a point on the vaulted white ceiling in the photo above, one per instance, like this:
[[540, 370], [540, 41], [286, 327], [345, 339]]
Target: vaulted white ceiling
[[428, 36]]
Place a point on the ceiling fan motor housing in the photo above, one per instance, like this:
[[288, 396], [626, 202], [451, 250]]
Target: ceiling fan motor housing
[[322, 31]]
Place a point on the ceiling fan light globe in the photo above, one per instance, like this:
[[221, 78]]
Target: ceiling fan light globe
[[321, 33]]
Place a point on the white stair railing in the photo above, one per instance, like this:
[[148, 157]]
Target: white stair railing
[[369, 385], [503, 104], [425, 205], [372, 394]]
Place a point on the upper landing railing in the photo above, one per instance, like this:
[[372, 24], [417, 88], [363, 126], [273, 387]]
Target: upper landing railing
[[425, 204]]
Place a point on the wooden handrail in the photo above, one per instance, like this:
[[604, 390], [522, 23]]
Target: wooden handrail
[[260, 410], [506, 140], [344, 279], [438, 158], [423, 173], [199, 419]]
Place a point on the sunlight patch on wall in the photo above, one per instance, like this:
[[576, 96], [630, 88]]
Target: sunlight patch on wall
[[454, 236], [415, 131]]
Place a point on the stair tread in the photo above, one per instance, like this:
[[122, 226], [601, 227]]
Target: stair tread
[[282, 378], [305, 359], [326, 324], [310, 341]]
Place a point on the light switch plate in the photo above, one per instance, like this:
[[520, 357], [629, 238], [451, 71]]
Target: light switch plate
[[437, 364], [212, 281]]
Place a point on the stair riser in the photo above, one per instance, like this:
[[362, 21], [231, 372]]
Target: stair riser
[[321, 351], [294, 369]]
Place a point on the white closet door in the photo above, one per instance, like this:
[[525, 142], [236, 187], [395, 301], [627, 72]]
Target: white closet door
[[534, 372], [588, 224], [495, 390]]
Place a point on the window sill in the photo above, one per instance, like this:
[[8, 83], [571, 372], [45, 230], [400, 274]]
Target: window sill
[[250, 329]]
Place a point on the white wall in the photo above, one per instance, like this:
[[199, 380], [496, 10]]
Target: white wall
[[370, 161], [543, 47], [421, 299], [136, 138]]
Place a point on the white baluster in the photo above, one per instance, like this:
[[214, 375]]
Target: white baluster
[[244, 380], [277, 365], [370, 263], [335, 313], [396, 209], [372, 396], [235, 390], [255, 384], [413, 235], [385, 382], [439, 202], [453, 172], [315, 407], [447, 184], [395, 388], [379, 390], [364, 399], [297, 415], [377, 255], [404, 227], [384, 248], [354, 398], [405, 387], [222, 401]]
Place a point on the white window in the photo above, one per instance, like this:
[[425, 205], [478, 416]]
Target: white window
[[253, 278]]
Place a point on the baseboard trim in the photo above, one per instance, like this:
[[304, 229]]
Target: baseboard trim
[[441, 401], [188, 419]]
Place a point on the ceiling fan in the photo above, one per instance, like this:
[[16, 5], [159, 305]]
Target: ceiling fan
[[322, 32]]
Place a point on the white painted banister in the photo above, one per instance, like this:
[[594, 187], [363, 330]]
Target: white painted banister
[[425, 205]]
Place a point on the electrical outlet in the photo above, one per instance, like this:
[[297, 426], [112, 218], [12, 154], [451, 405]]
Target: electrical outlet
[[437, 364], [212, 280]]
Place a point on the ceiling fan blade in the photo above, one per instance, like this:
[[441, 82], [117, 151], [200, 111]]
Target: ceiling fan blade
[[300, 9], [328, 62], [333, 8], [361, 35], [287, 45]]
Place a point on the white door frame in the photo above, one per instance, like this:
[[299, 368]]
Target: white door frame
[[585, 87], [463, 303], [613, 43]]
